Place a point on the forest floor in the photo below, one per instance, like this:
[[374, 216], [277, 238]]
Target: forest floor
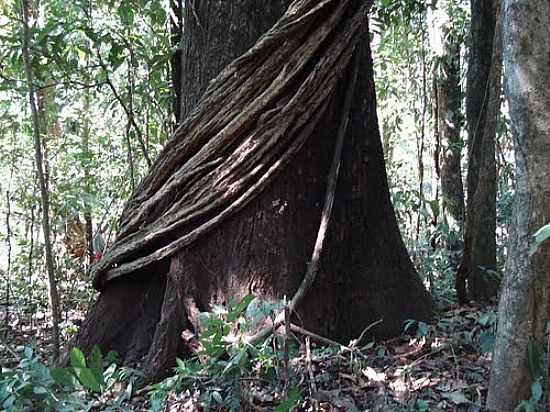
[[444, 366]]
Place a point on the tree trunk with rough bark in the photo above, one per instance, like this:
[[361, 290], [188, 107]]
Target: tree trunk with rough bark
[[449, 121], [264, 248], [525, 301], [176, 36], [476, 277]]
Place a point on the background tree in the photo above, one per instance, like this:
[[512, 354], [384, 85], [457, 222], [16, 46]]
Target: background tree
[[524, 308], [448, 102], [79, 115], [475, 277], [264, 248], [41, 172]]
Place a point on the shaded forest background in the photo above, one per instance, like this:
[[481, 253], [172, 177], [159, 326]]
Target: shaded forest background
[[106, 75]]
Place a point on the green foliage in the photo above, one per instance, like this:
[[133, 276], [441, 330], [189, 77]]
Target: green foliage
[[31, 385], [538, 362], [83, 55], [486, 340], [533, 403], [540, 236], [421, 328], [214, 375], [289, 403]]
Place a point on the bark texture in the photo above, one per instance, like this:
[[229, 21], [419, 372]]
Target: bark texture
[[176, 37], [476, 278], [449, 121], [525, 301], [264, 247]]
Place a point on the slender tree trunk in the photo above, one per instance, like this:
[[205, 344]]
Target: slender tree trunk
[[30, 267], [87, 154], [44, 196], [449, 124], [476, 277], [421, 140], [9, 233], [365, 272], [176, 38], [525, 301], [7, 275]]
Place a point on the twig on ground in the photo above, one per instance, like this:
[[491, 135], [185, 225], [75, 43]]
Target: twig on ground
[[355, 342], [322, 339]]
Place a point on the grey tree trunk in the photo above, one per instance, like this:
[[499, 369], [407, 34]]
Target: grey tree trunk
[[449, 122], [476, 278], [525, 301], [176, 36]]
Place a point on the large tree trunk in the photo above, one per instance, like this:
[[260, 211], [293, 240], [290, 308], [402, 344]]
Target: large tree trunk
[[264, 249], [525, 301], [176, 35], [476, 278]]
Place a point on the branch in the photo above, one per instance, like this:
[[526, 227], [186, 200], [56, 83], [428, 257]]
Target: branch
[[129, 113]]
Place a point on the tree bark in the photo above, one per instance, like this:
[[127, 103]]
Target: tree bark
[[476, 278], [365, 272], [176, 38], [449, 121], [525, 301]]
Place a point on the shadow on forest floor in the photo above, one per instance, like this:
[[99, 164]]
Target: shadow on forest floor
[[443, 366]]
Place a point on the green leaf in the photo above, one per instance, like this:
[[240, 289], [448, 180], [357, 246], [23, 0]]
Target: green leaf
[[487, 318], [87, 378], [217, 397], [126, 13], [434, 206], [238, 360], [540, 236], [77, 358], [536, 391], [422, 329], [486, 342], [116, 55], [407, 324], [9, 402], [525, 406], [111, 357], [239, 308], [62, 377], [96, 364], [290, 402], [39, 390], [534, 358], [28, 353], [421, 405]]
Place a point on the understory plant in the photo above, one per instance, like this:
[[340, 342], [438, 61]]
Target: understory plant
[[214, 377], [82, 386]]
